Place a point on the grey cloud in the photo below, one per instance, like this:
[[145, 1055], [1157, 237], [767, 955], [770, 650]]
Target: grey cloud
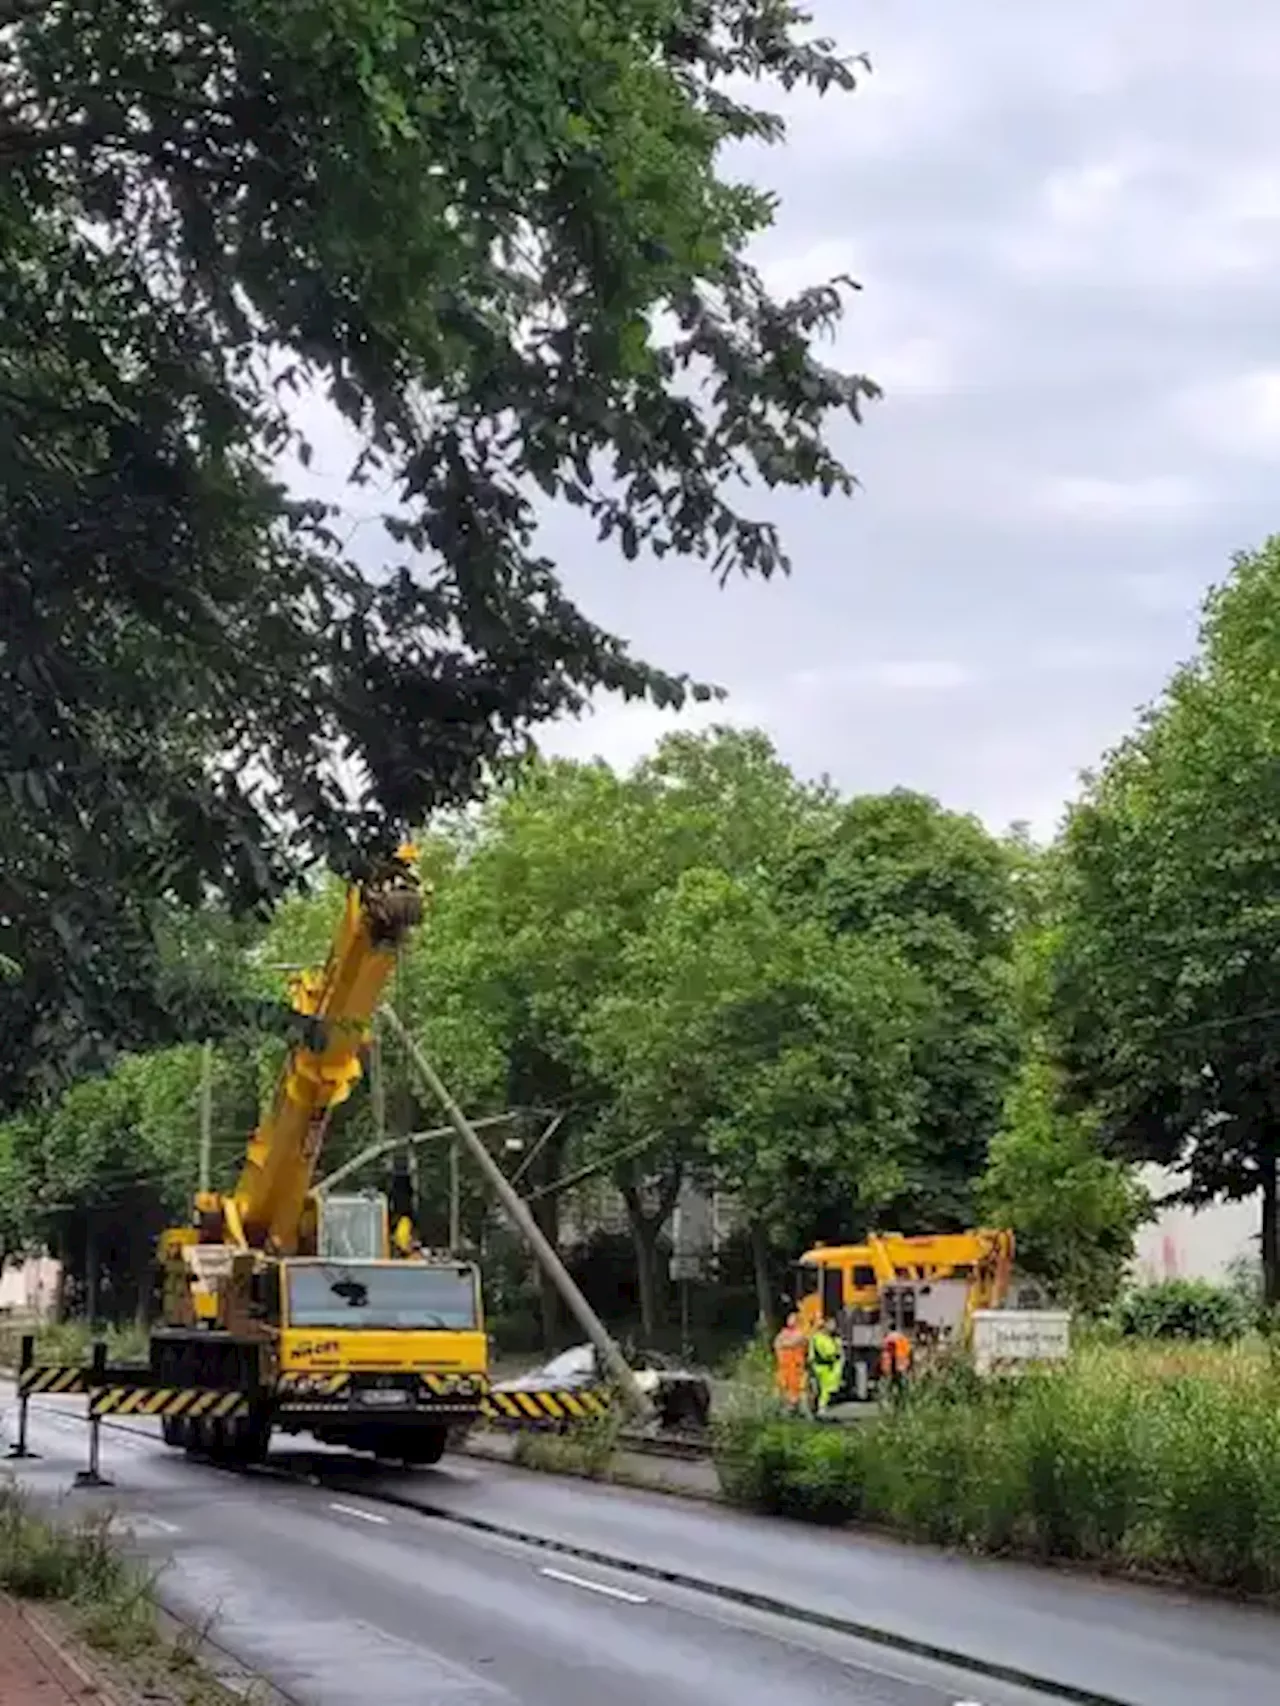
[[1067, 222]]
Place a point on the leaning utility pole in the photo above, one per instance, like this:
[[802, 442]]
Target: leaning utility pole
[[524, 1222], [206, 1117]]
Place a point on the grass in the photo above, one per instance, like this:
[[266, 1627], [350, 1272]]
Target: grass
[[78, 1570], [71, 1342], [587, 1449], [1153, 1458], [78, 1566]]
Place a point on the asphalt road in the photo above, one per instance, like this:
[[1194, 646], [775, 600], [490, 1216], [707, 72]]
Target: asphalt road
[[339, 1600], [340, 1597]]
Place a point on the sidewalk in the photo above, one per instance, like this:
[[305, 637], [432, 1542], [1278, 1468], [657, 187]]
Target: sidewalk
[[33, 1669]]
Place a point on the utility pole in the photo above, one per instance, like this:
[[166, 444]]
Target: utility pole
[[455, 1196], [206, 1118], [524, 1223], [405, 1102], [377, 1085]]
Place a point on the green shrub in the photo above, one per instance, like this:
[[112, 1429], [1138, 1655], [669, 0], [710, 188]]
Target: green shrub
[[79, 1565], [1162, 1458], [1185, 1309], [587, 1448]]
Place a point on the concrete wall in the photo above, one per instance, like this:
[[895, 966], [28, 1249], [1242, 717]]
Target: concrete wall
[[1202, 1243], [29, 1287]]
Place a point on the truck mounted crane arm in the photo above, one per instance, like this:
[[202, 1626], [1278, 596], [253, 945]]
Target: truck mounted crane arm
[[266, 1208]]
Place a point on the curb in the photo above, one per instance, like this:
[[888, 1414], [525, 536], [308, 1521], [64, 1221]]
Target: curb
[[873, 1635], [618, 1475]]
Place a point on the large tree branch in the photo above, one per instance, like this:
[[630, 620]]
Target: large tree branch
[[19, 11], [19, 142]]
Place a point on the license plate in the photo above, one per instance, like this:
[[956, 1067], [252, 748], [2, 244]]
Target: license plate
[[387, 1398]]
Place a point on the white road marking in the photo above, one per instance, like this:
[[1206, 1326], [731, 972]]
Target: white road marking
[[365, 1516], [595, 1587]]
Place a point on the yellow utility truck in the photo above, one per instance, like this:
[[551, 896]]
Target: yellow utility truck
[[323, 1312], [928, 1287]]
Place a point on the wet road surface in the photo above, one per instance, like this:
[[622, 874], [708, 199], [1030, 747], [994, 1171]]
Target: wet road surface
[[339, 1599]]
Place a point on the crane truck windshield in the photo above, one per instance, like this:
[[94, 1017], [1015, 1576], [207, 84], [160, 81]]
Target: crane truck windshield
[[408, 1296]]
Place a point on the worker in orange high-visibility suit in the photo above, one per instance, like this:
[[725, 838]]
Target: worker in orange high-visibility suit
[[789, 1351], [895, 1360]]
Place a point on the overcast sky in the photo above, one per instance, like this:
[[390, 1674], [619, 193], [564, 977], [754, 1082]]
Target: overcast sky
[[1066, 221]]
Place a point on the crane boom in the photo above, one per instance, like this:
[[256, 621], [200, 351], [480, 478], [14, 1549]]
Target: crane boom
[[309, 1316], [267, 1206]]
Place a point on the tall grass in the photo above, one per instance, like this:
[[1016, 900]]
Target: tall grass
[[71, 1342], [1163, 1458], [78, 1565]]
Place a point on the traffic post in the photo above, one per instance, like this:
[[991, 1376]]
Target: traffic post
[[92, 1476], [19, 1448]]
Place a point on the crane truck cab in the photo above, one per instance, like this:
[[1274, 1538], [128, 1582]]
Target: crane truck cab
[[312, 1307]]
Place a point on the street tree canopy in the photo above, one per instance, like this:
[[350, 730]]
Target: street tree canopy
[[774, 1054], [529, 941], [1168, 948], [941, 891], [495, 240]]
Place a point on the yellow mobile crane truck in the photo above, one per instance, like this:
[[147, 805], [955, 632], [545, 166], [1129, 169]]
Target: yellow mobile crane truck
[[324, 1315]]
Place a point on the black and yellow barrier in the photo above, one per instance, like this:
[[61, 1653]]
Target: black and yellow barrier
[[167, 1401], [53, 1378], [552, 1404]]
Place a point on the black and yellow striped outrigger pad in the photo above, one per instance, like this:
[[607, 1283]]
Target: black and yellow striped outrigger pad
[[52, 1377], [553, 1404], [167, 1401]]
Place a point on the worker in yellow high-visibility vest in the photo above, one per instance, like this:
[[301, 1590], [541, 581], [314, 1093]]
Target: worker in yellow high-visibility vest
[[826, 1365]]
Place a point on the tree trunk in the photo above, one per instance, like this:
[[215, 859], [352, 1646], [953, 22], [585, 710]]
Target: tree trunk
[[766, 1314], [546, 1214], [91, 1271], [59, 1245], [1270, 1233], [644, 1240]]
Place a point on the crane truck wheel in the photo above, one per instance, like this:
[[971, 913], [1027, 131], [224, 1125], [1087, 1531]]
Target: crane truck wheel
[[424, 1448], [246, 1441]]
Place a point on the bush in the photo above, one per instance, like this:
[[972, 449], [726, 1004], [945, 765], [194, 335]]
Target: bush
[[1185, 1309], [78, 1564], [587, 1449], [1165, 1460]]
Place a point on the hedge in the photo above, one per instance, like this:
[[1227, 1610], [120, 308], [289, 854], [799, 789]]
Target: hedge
[[1168, 1463]]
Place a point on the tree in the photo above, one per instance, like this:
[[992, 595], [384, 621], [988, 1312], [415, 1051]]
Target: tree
[[96, 1173], [465, 228], [935, 886], [1166, 967], [779, 1055], [1074, 1209], [529, 939]]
